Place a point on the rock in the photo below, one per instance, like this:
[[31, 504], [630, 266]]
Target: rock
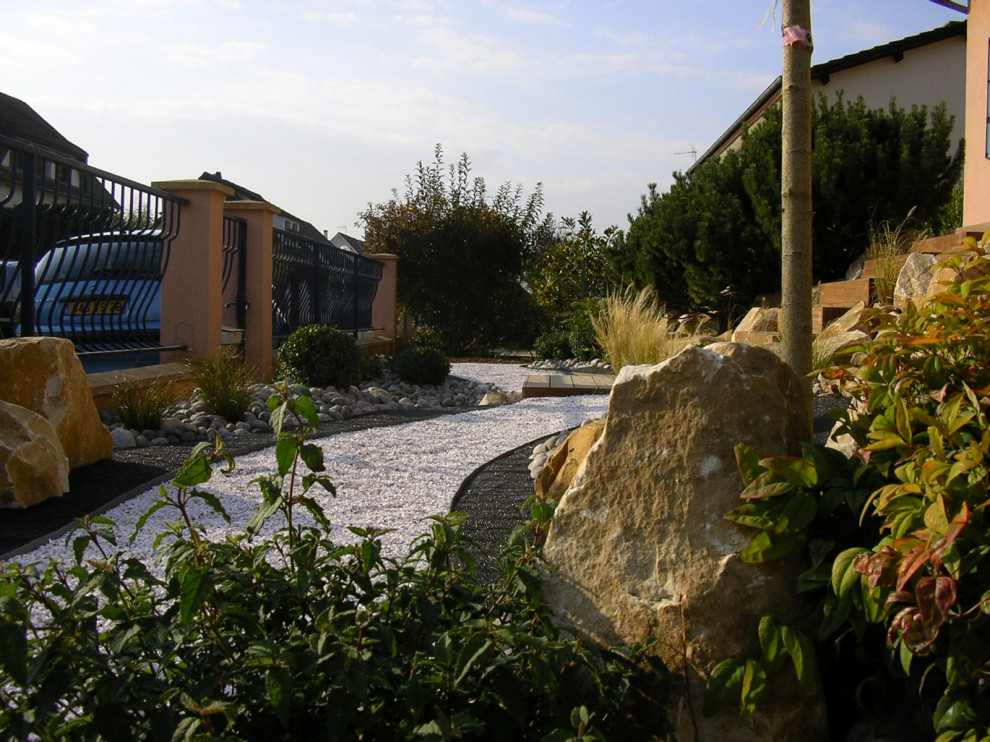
[[639, 548], [33, 466], [913, 279], [45, 376], [123, 438], [698, 324], [856, 268], [565, 461], [849, 330], [497, 398], [758, 326], [943, 274]]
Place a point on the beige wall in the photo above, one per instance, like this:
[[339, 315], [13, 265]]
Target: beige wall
[[976, 201], [925, 76]]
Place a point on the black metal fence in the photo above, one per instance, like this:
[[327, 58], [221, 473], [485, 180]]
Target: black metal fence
[[82, 252], [314, 283]]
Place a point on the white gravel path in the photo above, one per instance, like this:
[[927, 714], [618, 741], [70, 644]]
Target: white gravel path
[[389, 477]]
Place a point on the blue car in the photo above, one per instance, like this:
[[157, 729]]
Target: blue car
[[101, 290]]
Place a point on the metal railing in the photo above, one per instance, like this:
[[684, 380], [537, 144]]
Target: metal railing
[[82, 252], [315, 283]]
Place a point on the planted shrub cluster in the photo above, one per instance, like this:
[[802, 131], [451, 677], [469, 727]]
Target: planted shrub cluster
[[572, 334], [320, 355], [296, 636], [421, 365], [223, 382], [897, 536]]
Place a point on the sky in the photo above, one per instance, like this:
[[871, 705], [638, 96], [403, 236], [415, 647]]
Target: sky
[[325, 106]]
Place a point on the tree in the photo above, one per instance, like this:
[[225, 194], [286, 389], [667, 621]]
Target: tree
[[573, 267], [712, 242], [796, 179], [461, 255]]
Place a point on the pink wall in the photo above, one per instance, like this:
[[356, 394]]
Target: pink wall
[[192, 305], [384, 309], [976, 177]]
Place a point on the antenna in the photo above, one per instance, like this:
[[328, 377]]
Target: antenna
[[693, 152]]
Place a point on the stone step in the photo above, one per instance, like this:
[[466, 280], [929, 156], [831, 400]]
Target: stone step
[[948, 242], [845, 293], [566, 385]]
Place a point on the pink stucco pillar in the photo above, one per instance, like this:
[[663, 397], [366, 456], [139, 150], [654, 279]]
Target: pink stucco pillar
[[192, 304], [384, 308], [258, 290], [976, 172]]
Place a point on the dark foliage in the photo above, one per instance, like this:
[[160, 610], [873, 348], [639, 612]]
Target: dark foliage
[[712, 242]]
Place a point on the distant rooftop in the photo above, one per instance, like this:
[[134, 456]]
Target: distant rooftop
[[19, 121]]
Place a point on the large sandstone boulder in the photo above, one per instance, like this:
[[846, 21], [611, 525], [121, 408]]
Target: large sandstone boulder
[[913, 279], [45, 376], [851, 329], [33, 466], [564, 461], [758, 326], [696, 325], [639, 547]]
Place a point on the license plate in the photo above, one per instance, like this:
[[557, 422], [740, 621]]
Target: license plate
[[85, 307]]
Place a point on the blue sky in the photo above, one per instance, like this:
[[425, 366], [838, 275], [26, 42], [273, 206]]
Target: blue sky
[[324, 106]]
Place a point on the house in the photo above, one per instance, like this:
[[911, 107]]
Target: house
[[283, 220], [925, 69], [346, 242], [19, 121]]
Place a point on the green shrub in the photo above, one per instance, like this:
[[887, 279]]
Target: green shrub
[[143, 407], [320, 355], [372, 367], [581, 330], [223, 383], [553, 345], [296, 636], [427, 337], [897, 535], [421, 366]]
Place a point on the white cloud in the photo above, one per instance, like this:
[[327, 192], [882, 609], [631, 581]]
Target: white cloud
[[534, 17], [334, 18]]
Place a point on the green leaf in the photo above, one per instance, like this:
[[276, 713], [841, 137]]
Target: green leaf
[[262, 513], [724, 686], [214, 502], [196, 587], [798, 471], [766, 546], [844, 577], [473, 651], [771, 642], [13, 650], [307, 410], [312, 456], [194, 471], [749, 463], [143, 520], [279, 686], [285, 454], [754, 683], [802, 653]]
